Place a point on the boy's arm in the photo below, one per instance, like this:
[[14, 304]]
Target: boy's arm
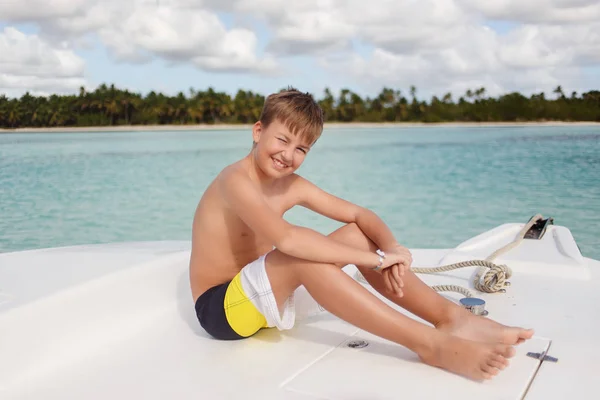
[[247, 202], [316, 199]]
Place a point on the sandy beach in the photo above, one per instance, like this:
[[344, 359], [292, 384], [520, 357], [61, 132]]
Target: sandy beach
[[332, 125]]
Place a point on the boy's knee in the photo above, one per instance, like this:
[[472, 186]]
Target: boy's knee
[[351, 234], [354, 230], [353, 226]]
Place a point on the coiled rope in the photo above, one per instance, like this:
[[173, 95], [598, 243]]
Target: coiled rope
[[490, 277]]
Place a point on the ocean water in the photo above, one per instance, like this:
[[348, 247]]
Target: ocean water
[[434, 186]]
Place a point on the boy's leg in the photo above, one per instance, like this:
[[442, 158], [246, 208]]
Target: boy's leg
[[347, 299], [418, 298], [426, 303], [423, 301]]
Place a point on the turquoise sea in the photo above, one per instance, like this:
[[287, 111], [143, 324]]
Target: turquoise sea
[[434, 186]]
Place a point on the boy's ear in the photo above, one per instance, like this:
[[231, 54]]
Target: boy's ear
[[256, 131]]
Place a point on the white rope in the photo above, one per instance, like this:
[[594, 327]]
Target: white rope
[[490, 277], [494, 276]]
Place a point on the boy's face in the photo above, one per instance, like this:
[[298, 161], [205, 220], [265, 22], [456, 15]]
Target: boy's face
[[278, 151]]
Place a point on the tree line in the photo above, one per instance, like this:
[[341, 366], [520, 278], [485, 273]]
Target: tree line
[[110, 106]]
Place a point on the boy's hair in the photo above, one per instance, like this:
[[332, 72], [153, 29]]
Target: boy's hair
[[298, 111]]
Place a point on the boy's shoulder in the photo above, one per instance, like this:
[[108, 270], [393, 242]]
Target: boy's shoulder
[[236, 173], [230, 170], [234, 181], [233, 173]]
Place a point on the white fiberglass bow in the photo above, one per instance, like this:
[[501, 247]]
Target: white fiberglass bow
[[117, 321]]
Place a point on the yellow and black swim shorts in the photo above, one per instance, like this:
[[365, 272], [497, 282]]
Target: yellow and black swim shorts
[[226, 313]]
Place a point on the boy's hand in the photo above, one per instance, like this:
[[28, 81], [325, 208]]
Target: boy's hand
[[392, 277], [403, 251], [397, 259]]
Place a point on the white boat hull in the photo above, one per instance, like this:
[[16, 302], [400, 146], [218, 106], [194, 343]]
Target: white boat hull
[[117, 321]]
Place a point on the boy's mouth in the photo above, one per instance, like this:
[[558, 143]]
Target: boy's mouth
[[278, 164]]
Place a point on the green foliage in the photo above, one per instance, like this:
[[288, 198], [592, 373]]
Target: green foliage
[[109, 106]]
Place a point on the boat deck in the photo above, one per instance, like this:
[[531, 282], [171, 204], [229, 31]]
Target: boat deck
[[117, 321]]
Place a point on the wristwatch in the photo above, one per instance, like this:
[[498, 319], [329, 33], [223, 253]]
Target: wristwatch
[[381, 258]]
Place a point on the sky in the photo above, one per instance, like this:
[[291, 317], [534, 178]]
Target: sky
[[439, 46]]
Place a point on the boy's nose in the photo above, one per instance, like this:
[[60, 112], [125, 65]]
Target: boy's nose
[[285, 156]]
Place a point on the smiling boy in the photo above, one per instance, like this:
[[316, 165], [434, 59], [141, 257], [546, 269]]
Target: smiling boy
[[247, 261]]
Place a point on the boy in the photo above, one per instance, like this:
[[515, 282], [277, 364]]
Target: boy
[[247, 261]]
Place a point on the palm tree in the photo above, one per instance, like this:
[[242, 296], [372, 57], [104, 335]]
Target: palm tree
[[559, 92], [413, 93], [108, 105], [344, 107], [328, 105], [479, 93], [14, 114]]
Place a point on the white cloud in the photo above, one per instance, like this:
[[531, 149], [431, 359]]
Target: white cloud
[[315, 26], [409, 26], [537, 11], [298, 27], [30, 63], [450, 71], [182, 35], [438, 45], [311, 32], [441, 46], [531, 47], [39, 10], [93, 18], [140, 30]]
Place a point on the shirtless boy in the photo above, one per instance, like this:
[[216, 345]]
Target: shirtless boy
[[247, 261]]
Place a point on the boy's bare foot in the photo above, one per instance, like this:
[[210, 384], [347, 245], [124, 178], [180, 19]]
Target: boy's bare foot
[[473, 327], [475, 360]]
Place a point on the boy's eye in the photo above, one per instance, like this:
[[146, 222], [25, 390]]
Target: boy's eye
[[282, 140], [302, 150]]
